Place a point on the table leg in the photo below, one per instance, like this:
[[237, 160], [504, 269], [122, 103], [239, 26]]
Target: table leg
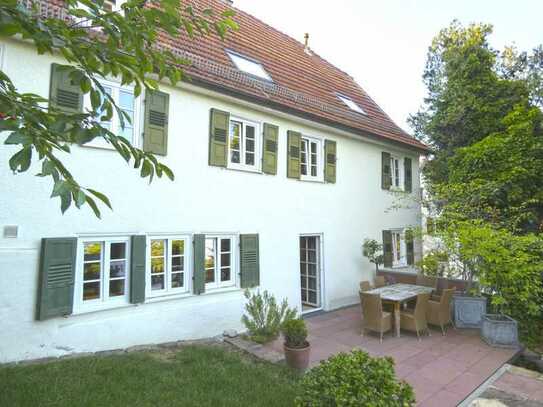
[[397, 318]]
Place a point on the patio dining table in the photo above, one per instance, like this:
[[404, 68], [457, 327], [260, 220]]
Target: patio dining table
[[397, 294]]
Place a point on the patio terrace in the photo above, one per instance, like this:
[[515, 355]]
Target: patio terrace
[[443, 370]]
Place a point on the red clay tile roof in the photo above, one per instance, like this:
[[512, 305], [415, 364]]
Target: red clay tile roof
[[303, 84]]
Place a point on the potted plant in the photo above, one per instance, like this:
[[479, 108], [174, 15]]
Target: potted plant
[[296, 347], [373, 250]]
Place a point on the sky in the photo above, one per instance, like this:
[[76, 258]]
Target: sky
[[383, 43]]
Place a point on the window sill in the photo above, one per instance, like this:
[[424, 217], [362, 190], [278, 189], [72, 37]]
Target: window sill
[[244, 169], [400, 269], [89, 309], [310, 179]]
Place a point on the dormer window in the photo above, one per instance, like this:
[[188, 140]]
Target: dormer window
[[349, 103], [249, 66]]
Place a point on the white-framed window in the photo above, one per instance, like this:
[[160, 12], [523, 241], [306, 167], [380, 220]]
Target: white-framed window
[[399, 258], [220, 262], [249, 65], [168, 265], [244, 144], [350, 103], [311, 159], [396, 172], [102, 273], [125, 99]]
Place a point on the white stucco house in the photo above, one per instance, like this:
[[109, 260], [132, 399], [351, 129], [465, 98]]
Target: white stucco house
[[283, 166]]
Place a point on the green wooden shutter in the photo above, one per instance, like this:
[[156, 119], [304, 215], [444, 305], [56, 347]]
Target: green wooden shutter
[[408, 177], [155, 136], [410, 247], [386, 179], [57, 276], [138, 252], [218, 137], [249, 261], [198, 272], [387, 248], [294, 145], [62, 93], [269, 149], [330, 163]]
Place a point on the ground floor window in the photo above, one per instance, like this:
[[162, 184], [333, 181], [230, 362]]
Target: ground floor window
[[398, 248], [310, 272], [219, 262], [168, 264], [103, 273]]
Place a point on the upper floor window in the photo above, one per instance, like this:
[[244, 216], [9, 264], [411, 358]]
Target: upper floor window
[[102, 276], [244, 144], [249, 66], [168, 265], [311, 159], [396, 172], [125, 99], [350, 103], [219, 262]]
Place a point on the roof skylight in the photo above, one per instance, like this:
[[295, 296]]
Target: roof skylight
[[249, 66], [352, 105]]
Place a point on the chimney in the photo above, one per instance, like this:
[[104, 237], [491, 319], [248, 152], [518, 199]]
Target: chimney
[[306, 44]]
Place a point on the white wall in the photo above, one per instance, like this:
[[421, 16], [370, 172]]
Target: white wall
[[202, 199]]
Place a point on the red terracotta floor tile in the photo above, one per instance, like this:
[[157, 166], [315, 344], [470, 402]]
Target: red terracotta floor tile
[[465, 383], [420, 360], [443, 370], [442, 398], [424, 388]]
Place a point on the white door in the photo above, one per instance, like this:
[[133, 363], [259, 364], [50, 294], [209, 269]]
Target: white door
[[310, 272]]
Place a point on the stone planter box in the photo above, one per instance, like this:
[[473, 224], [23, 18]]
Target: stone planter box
[[499, 330], [469, 311]]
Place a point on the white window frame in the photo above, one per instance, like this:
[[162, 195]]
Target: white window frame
[[217, 284], [320, 154], [351, 104], [398, 259], [104, 302], [396, 163], [136, 124], [257, 167], [168, 255], [249, 66]]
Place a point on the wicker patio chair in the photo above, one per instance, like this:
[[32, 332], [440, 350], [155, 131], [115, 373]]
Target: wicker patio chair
[[380, 281], [427, 281], [373, 316], [365, 286], [439, 312], [416, 320]]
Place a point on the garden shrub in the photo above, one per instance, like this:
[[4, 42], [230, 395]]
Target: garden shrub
[[354, 379], [264, 317]]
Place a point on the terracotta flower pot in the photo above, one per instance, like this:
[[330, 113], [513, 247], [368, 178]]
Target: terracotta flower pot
[[297, 358]]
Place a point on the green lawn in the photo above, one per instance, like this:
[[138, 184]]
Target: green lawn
[[188, 376]]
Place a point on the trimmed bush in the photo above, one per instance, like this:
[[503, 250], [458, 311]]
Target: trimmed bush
[[264, 317], [295, 333], [354, 379]]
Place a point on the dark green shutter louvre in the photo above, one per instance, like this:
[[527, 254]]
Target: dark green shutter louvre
[[198, 272], [57, 275], [330, 161], [410, 247], [269, 149], [386, 177], [387, 248], [62, 93], [293, 154], [249, 261], [155, 136], [138, 251], [408, 183], [218, 137]]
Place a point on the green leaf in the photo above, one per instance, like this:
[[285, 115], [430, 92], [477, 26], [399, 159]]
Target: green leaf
[[93, 206], [18, 137], [100, 196], [80, 198], [20, 161]]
